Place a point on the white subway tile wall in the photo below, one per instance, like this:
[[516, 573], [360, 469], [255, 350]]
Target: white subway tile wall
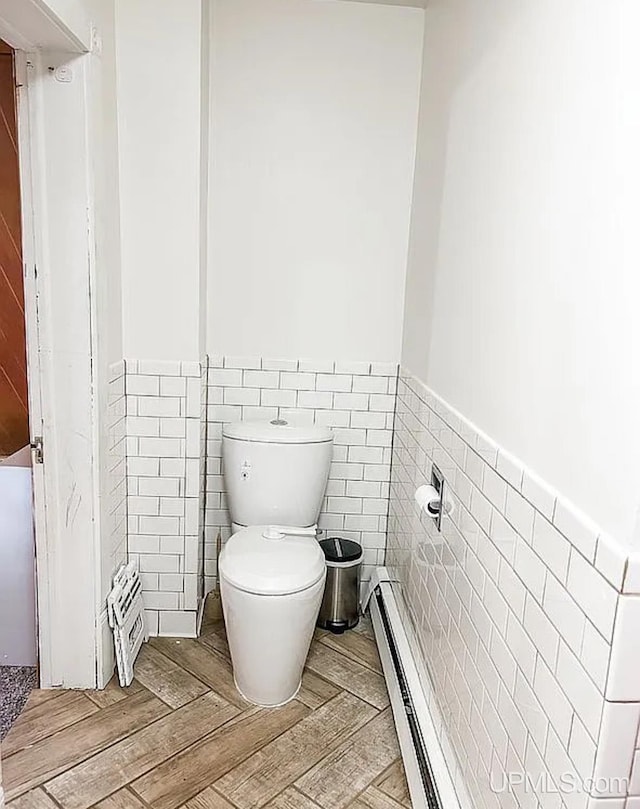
[[117, 433], [355, 399], [202, 475], [165, 488], [517, 609], [526, 614]]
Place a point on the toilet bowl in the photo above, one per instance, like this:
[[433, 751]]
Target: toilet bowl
[[271, 586], [272, 569]]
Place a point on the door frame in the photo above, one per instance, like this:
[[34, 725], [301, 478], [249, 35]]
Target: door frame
[[37, 385], [58, 261]]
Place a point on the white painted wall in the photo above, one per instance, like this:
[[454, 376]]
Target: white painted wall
[[159, 121], [105, 183], [523, 283], [314, 112]]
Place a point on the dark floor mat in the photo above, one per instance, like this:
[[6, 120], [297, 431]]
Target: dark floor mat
[[16, 683]]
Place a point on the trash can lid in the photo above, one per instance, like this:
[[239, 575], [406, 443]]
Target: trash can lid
[[337, 549]]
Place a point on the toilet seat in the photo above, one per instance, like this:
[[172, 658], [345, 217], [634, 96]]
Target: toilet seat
[[255, 563]]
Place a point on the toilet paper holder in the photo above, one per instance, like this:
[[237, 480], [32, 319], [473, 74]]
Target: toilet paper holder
[[431, 498]]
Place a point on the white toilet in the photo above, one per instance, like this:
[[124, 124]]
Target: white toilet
[[272, 569]]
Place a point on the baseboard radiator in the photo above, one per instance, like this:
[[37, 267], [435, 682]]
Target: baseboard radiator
[[429, 780]]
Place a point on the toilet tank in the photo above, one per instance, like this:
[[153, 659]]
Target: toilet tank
[[275, 473]]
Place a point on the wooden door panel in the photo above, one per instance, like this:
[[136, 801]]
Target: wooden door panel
[[9, 166], [14, 429]]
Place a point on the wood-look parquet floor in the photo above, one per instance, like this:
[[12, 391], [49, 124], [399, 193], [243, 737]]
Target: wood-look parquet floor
[[182, 736]]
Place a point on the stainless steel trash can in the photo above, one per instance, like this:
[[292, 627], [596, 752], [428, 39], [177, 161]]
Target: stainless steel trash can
[[340, 608]]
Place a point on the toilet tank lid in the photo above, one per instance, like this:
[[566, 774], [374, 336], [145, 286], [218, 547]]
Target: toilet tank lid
[[277, 431]]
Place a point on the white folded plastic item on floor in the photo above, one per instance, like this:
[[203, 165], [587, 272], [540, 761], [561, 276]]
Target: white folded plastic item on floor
[[126, 618]]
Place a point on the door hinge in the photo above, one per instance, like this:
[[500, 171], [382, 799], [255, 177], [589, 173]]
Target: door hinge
[[37, 449]]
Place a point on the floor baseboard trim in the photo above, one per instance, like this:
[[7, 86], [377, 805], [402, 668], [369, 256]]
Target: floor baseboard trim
[[430, 783]]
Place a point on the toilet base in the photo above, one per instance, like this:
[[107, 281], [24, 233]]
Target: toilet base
[[261, 704], [269, 638]]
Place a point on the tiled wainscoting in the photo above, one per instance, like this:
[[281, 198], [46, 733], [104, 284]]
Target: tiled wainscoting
[[117, 431], [164, 489], [618, 756], [356, 399], [115, 529], [174, 417], [532, 650], [204, 432]]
